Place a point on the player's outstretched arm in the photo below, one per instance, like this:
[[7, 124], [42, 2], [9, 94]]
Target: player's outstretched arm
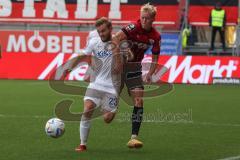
[[155, 55], [75, 61], [82, 54], [153, 64]]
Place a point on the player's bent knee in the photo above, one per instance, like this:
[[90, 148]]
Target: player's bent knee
[[108, 120], [108, 117], [138, 101], [88, 108], [87, 114]]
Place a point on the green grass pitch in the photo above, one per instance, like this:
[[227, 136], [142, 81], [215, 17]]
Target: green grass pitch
[[210, 130]]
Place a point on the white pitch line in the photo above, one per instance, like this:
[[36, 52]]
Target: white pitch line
[[231, 158], [145, 121], [26, 116], [188, 123], [218, 124]]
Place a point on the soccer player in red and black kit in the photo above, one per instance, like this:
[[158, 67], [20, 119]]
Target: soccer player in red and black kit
[[141, 36]]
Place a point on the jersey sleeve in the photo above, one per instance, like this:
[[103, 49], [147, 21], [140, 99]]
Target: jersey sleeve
[[129, 29], [91, 35], [156, 45], [89, 48]]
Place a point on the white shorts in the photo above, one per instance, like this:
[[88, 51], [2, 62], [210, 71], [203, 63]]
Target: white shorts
[[105, 100]]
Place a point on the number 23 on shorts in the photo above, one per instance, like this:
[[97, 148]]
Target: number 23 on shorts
[[113, 101]]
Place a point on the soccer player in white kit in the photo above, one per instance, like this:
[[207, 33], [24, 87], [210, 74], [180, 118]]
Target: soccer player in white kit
[[103, 88]]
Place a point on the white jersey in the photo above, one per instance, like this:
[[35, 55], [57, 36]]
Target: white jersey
[[92, 34], [102, 77]]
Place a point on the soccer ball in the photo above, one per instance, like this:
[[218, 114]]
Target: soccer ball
[[55, 127]]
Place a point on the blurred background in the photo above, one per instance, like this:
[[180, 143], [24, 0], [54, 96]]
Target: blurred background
[[189, 122], [44, 33]]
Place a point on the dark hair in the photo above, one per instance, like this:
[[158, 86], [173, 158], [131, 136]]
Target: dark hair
[[103, 20], [218, 4]]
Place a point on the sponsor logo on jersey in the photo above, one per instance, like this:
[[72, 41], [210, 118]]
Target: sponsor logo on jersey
[[103, 54], [130, 27]]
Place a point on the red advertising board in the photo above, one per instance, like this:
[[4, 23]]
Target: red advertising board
[[42, 42], [35, 55], [181, 69], [198, 69]]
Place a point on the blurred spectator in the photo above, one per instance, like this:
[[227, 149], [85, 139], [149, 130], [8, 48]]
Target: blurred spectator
[[193, 36], [231, 32], [217, 20], [185, 36]]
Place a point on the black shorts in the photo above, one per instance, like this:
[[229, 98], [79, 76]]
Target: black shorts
[[132, 75]]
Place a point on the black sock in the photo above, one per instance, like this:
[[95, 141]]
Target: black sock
[[137, 116]]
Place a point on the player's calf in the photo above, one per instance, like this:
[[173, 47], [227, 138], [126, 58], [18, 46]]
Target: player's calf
[[89, 106], [137, 116]]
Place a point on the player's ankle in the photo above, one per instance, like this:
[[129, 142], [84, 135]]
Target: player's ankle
[[83, 144], [134, 136]]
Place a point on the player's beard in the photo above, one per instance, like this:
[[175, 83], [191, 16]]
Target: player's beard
[[106, 39]]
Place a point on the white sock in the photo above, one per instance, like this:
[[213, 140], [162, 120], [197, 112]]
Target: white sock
[[84, 130], [134, 136]]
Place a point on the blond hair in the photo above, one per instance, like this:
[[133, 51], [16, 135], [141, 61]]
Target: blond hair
[[103, 20], [150, 9]]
